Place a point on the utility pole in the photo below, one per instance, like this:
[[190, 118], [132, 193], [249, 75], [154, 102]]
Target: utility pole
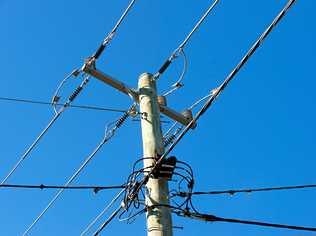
[[159, 222]]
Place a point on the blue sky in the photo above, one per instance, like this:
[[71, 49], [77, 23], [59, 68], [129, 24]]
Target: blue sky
[[260, 132]]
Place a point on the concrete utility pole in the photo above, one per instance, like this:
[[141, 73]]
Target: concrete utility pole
[[159, 222]]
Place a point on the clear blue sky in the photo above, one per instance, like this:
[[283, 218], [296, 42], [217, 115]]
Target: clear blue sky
[[260, 132]]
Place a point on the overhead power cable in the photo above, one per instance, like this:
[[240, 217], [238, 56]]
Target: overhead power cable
[[110, 36], [212, 218], [71, 98], [86, 230], [109, 133], [75, 72], [86, 107], [215, 93], [256, 45], [108, 220], [180, 48], [248, 190], [179, 51], [42, 186]]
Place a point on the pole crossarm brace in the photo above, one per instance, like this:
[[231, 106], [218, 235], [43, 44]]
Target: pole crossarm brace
[[90, 69]]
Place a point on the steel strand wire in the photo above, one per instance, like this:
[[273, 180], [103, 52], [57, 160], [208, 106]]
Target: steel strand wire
[[49, 125], [109, 37], [180, 48], [95, 56], [111, 217], [108, 136], [209, 102], [92, 223]]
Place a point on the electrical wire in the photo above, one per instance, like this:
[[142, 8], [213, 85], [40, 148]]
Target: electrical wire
[[86, 230], [42, 186], [180, 48], [110, 36], [30, 101], [111, 217], [250, 190], [75, 93], [56, 98], [52, 121], [131, 183], [108, 135], [215, 94], [212, 218], [199, 101], [178, 83]]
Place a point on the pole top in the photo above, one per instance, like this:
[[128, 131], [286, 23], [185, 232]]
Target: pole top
[[146, 80]]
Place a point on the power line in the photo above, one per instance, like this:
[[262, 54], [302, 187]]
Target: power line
[[42, 186], [212, 218], [102, 212], [215, 93], [108, 220], [30, 101], [109, 37], [249, 190], [255, 46], [180, 48], [109, 133], [71, 98]]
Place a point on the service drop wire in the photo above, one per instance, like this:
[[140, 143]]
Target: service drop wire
[[215, 93], [71, 98], [110, 36], [180, 48], [109, 133]]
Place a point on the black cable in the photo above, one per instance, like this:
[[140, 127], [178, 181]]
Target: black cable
[[30, 101], [212, 98], [212, 218], [250, 190], [111, 217], [243, 61], [42, 186]]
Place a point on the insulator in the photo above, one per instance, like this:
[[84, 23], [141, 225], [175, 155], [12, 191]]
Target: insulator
[[75, 93], [169, 140], [121, 120]]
